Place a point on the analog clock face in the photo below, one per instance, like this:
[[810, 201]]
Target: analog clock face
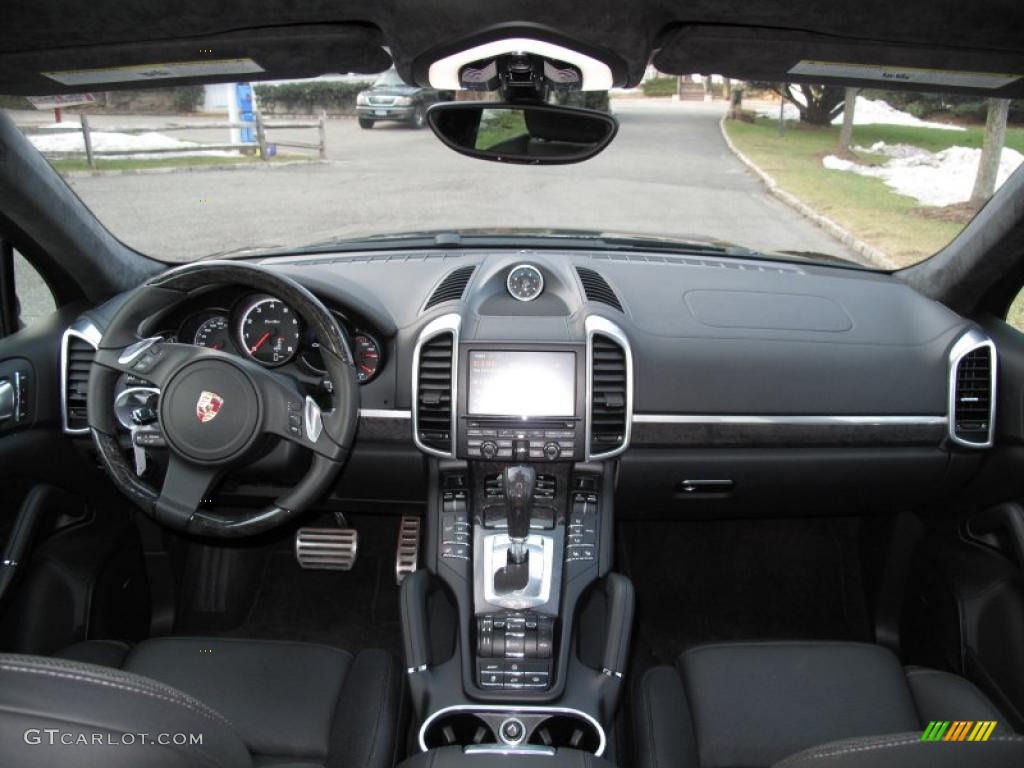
[[525, 282]]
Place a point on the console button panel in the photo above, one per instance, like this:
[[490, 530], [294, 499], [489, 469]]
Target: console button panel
[[581, 533], [456, 537]]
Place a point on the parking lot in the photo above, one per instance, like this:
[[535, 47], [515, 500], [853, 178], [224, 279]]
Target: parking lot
[[667, 172]]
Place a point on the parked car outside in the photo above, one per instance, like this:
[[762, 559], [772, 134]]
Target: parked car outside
[[391, 98]]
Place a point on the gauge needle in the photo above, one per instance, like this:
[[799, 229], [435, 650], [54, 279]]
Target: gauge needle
[[260, 343], [366, 368]]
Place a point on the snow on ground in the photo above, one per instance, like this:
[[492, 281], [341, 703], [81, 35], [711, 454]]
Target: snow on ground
[[932, 178], [867, 112], [73, 141]]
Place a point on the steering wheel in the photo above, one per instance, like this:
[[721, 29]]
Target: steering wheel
[[217, 410]]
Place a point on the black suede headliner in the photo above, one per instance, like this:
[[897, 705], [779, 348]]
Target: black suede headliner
[[321, 36]]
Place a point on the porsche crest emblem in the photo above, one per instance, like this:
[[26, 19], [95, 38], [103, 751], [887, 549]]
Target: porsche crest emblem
[[208, 406]]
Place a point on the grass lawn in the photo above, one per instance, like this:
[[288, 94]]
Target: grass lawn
[[893, 223], [64, 165]]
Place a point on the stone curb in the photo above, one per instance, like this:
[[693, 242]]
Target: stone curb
[[193, 168], [874, 256]]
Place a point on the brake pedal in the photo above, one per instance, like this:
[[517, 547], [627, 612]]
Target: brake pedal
[[408, 554], [331, 549]]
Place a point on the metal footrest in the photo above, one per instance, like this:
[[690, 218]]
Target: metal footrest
[[408, 553], [332, 549]]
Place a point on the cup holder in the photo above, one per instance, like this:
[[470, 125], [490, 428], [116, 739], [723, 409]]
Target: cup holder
[[542, 727], [458, 728], [566, 730]]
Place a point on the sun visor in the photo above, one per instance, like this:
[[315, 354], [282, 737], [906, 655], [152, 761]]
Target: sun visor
[[750, 53], [249, 55]]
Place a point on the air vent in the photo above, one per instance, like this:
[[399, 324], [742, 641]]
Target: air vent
[[973, 391], [597, 289], [434, 387], [78, 353], [452, 287], [611, 389]]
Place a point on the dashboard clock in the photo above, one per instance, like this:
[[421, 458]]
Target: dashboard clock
[[525, 282]]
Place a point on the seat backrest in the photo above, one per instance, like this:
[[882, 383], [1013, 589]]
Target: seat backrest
[[59, 712], [907, 750]]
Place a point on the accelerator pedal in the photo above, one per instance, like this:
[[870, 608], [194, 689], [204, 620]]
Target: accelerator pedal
[[329, 549], [408, 554]]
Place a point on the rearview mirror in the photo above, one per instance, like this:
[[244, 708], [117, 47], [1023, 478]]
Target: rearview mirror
[[533, 134]]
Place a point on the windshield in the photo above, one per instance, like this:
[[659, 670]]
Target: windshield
[[183, 173], [388, 79]]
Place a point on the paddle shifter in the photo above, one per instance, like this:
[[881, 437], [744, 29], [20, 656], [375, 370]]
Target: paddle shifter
[[520, 483]]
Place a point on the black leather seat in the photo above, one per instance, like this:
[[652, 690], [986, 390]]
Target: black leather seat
[[252, 702], [748, 705]]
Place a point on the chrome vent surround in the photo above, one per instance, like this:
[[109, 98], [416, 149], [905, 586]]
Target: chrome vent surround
[[435, 386], [609, 389], [596, 288], [972, 390], [452, 288], [77, 349]]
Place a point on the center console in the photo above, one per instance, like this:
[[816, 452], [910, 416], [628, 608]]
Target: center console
[[517, 632]]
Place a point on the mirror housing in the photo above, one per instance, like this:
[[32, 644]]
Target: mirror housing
[[527, 133]]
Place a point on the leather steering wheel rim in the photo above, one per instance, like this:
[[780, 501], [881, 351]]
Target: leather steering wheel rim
[[263, 403]]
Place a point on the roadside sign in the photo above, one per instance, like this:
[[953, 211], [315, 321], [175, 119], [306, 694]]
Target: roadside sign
[[62, 100]]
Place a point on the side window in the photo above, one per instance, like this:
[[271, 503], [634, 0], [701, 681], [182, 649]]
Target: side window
[[35, 301], [1015, 316]]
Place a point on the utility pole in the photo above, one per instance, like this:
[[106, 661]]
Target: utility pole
[[991, 151]]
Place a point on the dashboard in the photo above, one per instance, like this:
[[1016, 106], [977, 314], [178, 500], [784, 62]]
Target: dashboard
[[719, 384], [266, 330]]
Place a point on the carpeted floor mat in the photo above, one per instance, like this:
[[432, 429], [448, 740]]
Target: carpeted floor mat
[[705, 581]]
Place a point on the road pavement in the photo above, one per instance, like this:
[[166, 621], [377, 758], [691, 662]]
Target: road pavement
[[667, 172]]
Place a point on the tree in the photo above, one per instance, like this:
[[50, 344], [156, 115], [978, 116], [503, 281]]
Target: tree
[[846, 133], [991, 151], [818, 104]]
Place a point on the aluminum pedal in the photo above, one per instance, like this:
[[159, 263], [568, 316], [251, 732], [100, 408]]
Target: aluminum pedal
[[408, 554], [331, 549]]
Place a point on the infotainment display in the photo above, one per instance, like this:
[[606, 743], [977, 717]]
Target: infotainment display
[[530, 384]]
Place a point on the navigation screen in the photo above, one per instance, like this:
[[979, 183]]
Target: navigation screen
[[522, 383]]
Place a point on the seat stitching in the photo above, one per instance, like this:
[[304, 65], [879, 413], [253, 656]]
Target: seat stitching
[[206, 712], [650, 719], [380, 708], [900, 742]]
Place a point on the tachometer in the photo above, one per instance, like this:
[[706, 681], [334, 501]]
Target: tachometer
[[213, 333], [525, 282], [269, 331], [366, 350]]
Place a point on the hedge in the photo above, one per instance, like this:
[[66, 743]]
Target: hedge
[[660, 86], [309, 98]]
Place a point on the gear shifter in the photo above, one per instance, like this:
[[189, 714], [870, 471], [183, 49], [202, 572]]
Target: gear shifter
[[519, 482]]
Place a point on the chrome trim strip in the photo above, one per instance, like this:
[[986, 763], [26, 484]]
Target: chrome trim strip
[[595, 324], [971, 340], [445, 324], [526, 750], [514, 710], [383, 413], [820, 421], [83, 328]]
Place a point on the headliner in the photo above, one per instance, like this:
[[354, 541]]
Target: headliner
[[752, 39]]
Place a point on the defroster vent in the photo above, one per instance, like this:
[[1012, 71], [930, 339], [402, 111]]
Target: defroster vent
[[452, 287], [596, 288]]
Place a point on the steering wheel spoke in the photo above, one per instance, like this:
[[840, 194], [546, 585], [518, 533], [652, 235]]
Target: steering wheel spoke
[[186, 487], [296, 417], [153, 359]]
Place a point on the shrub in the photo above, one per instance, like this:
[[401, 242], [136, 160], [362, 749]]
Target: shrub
[[187, 98], [659, 86], [309, 98]]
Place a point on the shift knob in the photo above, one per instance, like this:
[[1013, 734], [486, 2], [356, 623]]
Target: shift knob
[[519, 484]]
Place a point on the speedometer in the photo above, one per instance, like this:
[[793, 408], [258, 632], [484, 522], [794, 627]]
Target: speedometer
[[213, 333], [269, 331]]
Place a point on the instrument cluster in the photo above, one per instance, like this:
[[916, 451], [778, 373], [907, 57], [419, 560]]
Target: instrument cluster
[[266, 330]]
